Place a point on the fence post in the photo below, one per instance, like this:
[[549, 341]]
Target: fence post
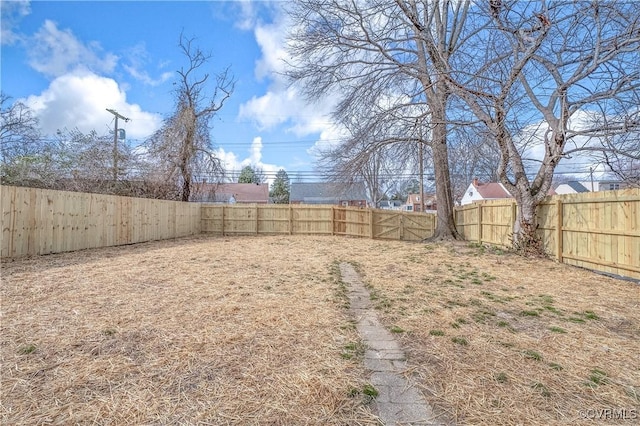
[[402, 226], [479, 214], [514, 217], [333, 222], [290, 219], [257, 221], [433, 224], [223, 206], [559, 234], [371, 223]]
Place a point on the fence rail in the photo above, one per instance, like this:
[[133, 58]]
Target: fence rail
[[595, 230]]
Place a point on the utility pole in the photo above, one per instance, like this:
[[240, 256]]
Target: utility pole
[[115, 141]]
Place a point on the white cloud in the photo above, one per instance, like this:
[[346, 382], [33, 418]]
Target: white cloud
[[11, 12], [138, 59], [577, 164], [144, 77], [329, 137], [247, 16], [231, 162], [55, 52], [249, 12], [282, 104], [271, 39], [79, 100], [256, 151]]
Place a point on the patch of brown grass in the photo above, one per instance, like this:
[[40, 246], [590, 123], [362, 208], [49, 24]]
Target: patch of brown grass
[[545, 342], [211, 331], [252, 330]]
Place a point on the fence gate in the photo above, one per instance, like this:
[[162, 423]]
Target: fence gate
[[387, 225], [417, 227], [393, 225]]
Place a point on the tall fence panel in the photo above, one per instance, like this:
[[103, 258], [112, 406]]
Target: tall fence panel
[[466, 218], [315, 220], [600, 230], [595, 230], [41, 221]]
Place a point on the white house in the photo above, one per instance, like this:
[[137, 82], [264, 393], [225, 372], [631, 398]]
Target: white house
[[478, 191]]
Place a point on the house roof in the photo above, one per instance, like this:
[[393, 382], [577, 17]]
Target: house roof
[[242, 192], [491, 190], [326, 192], [577, 186]]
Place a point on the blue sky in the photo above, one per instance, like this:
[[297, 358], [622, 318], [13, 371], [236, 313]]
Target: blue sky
[[70, 60]]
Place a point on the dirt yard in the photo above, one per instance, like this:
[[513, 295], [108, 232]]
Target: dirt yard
[[255, 330]]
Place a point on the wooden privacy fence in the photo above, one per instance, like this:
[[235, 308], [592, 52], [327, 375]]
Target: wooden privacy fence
[[40, 221], [598, 230], [595, 230], [315, 220]]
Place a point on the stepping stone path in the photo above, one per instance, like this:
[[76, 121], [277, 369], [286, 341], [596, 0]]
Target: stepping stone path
[[398, 401]]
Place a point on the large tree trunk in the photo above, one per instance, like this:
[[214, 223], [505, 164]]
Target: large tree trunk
[[525, 238], [445, 224], [186, 187]]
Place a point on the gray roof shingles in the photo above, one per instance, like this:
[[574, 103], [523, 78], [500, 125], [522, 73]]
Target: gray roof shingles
[[577, 186], [326, 193]]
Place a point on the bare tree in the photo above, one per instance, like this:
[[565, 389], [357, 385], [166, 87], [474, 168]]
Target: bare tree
[[373, 54], [84, 162], [472, 155], [558, 75], [19, 140], [622, 160], [379, 169], [183, 145], [371, 154]]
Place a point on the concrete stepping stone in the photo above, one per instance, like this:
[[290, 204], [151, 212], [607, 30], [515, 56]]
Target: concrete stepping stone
[[398, 402]]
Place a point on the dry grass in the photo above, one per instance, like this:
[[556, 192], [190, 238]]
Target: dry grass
[[252, 331], [208, 331], [545, 343]]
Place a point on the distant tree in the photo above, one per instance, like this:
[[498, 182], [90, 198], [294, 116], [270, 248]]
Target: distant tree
[[280, 188], [249, 175], [19, 140], [84, 162], [624, 166], [182, 147], [411, 186]]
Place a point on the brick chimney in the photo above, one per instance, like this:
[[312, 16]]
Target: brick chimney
[[475, 182]]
